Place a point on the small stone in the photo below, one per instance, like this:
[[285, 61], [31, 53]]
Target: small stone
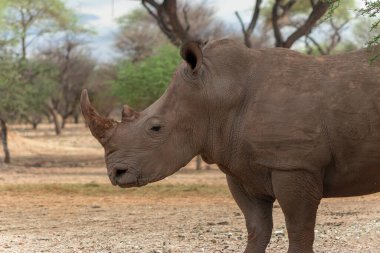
[[279, 233]]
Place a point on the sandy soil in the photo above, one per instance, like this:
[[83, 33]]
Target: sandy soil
[[55, 197]]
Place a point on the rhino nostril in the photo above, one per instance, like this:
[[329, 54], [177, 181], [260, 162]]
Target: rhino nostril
[[119, 173]]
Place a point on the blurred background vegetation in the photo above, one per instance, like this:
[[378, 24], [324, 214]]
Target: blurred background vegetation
[[44, 84]]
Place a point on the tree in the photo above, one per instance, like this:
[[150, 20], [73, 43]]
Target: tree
[[10, 101], [371, 10], [147, 79], [195, 22], [138, 35], [3, 5], [37, 78], [27, 20], [74, 66], [24, 88], [363, 33], [100, 87], [332, 29], [285, 16]]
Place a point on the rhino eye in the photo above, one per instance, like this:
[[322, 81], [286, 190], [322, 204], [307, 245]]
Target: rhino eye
[[155, 128]]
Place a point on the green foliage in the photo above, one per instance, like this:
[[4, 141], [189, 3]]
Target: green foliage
[[24, 87], [137, 15], [11, 101], [372, 10], [3, 4], [141, 83], [38, 82], [100, 88], [334, 4], [24, 21], [45, 15]]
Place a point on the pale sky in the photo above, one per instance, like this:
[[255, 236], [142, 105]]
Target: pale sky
[[100, 15]]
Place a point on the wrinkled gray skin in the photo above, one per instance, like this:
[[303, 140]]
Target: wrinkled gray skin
[[280, 124]]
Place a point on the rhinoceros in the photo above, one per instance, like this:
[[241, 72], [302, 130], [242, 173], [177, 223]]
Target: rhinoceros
[[280, 124]]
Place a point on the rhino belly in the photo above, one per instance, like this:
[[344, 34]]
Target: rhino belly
[[355, 144], [358, 180]]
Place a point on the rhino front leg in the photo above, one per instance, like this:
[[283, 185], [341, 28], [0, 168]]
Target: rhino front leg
[[258, 217], [299, 194]]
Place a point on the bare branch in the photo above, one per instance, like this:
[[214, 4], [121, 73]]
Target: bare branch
[[34, 38], [166, 16], [152, 3], [336, 37], [170, 7], [276, 27], [184, 10], [286, 7], [318, 11], [159, 19], [316, 44], [240, 21], [255, 16], [248, 32]]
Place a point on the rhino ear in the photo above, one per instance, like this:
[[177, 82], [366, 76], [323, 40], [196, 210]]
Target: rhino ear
[[191, 52]]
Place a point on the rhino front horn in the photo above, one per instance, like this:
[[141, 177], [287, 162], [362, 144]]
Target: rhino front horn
[[98, 125]]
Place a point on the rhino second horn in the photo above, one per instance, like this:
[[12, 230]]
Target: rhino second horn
[[98, 125], [128, 114]]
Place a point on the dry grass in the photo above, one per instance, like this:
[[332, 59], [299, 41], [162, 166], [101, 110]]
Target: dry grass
[[95, 189]]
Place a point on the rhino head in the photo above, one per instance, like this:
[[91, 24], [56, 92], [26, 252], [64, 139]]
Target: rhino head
[[150, 145]]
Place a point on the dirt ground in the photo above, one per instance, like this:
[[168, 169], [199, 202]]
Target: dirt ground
[[56, 197]]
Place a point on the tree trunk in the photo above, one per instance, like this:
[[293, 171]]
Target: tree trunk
[[23, 47], [48, 116], [4, 140], [34, 124], [54, 115], [57, 127], [76, 118], [198, 163], [63, 122]]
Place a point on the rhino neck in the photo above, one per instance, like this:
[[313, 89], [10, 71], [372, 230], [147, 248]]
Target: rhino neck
[[224, 136]]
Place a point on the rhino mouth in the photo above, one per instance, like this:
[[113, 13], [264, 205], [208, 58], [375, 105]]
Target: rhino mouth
[[126, 178]]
